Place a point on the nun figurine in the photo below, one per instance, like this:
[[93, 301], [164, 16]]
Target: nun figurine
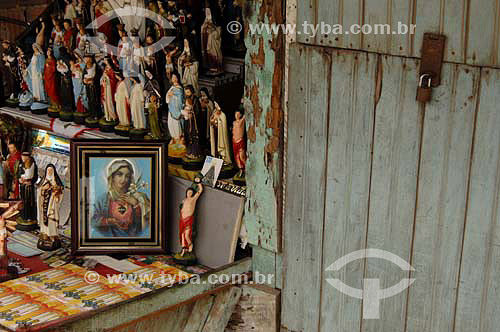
[[50, 195], [66, 87]]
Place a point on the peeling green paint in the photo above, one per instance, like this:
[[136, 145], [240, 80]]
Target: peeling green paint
[[264, 79]]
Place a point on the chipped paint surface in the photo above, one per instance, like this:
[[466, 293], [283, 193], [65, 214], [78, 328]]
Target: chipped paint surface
[[263, 104]]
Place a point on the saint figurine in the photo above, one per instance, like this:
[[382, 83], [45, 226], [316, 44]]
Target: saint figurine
[[186, 224], [35, 80], [188, 67], [70, 10], [10, 168], [194, 158], [153, 100], [211, 45], [175, 101], [25, 96], [122, 98], [51, 79], [79, 92], [27, 175], [66, 86], [239, 146], [91, 81], [109, 83], [9, 74], [169, 66], [50, 194], [137, 110], [207, 110], [219, 139], [68, 37]]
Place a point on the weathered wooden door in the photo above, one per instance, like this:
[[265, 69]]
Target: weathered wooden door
[[369, 167]]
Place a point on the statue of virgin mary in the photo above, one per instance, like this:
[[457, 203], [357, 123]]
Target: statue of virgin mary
[[34, 74]]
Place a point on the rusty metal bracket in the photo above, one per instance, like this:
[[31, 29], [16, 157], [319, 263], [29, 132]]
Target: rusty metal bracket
[[432, 57]]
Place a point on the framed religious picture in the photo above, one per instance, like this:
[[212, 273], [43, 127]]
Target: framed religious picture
[[118, 195]]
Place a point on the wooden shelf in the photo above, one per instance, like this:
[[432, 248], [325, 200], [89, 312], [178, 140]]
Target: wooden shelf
[[45, 123], [48, 124]]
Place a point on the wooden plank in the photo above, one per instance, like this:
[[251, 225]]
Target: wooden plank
[[352, 105], [222, 309], [304, 211], [264, 114], [258, 310], [472, 27], [279, 271], [454, 26], [352, 13], [396, 149], [306, 12], [482, 40], [440, 216], [388, 12], [264, 264], [330, 12], [478, 303], [199, 314], [376, 12], [171, 320], [400, 11]]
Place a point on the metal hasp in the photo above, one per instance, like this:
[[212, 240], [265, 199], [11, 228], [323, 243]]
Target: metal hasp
[[430, 66], [432, 57]]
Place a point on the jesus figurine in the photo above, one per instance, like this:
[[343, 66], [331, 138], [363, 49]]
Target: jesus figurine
[[239, 146], [187, 211]]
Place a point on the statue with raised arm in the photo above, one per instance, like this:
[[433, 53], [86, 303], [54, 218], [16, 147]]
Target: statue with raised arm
[[186, 223]]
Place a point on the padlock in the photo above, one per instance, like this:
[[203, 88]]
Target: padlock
[[424, 91]]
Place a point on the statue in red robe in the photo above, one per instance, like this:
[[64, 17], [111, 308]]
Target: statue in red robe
[[51, 83], [10, 167]]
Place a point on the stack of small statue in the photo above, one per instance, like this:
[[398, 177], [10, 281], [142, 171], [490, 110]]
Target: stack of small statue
[[134, 76], [41, 198]]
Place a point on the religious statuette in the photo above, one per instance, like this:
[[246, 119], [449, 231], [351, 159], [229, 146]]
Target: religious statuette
[[220, 145], [138, 117], [195, 157], [9, 74], [186, 224], [10, 167], [51, 84], [175, 101], [35, 80], [239, 146], [91, 79], [188, 67], [66, 86], [211, 45], [27, 175], [79, 92], [7, 224], [109, 83], [50, 194], [122, 99]]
